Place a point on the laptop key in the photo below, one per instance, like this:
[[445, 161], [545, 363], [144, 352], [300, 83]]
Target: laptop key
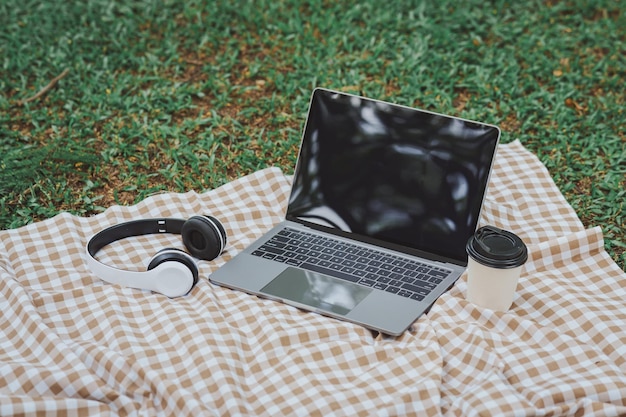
[[438, 274], [348, 269], [367, 282], [392, 289], [415, 289], [375, 256], [428, 286], [395, 283], [395, 275], [274, 243], [405, 293]]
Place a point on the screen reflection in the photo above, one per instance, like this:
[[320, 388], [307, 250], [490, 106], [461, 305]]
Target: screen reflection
[[392, 173]]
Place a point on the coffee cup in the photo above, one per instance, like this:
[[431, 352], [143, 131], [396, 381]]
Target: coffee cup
[[495, 260]]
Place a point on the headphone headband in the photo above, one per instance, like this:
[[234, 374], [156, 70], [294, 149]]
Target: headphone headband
[[133, 228]]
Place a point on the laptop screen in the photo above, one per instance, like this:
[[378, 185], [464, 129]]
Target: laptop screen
[[393, 174]]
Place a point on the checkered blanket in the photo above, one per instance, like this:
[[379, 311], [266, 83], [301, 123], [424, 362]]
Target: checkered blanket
[[71, 344]]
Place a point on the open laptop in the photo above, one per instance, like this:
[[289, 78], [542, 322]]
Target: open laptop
[[383, 201]]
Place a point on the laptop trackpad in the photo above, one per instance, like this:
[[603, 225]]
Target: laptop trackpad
[[316, 290]]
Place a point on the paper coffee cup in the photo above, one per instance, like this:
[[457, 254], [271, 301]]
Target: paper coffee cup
[[495, 260]]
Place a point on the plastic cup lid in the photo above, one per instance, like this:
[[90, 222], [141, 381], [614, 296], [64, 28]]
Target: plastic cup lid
[[497, 248]]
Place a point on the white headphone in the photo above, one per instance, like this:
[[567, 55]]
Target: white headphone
[[171, 272]]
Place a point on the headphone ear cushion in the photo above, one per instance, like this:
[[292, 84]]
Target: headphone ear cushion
[[173, 254], [204, 237]]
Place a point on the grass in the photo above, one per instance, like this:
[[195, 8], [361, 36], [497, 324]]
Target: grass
[[179, 95]]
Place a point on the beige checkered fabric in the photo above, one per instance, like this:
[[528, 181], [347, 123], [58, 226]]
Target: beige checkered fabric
[[71, 344]]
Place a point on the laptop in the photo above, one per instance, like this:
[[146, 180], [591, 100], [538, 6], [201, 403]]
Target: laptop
[[383, 201]]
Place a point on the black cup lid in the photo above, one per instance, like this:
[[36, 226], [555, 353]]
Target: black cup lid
[[497, 248]]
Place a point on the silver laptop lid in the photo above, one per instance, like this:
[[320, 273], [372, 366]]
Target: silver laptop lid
[[399, 177]]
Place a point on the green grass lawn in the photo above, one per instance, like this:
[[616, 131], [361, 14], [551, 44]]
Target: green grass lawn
[[179, 95]]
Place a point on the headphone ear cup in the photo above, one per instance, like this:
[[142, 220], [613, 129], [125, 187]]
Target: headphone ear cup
[[169, 284], [204, 237]]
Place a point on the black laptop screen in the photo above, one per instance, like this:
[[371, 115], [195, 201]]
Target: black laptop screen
[[392, 173]]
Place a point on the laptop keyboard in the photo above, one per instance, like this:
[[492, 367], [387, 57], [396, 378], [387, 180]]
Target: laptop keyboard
[[368, 267]]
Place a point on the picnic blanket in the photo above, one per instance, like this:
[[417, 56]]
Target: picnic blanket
[[71, 344]]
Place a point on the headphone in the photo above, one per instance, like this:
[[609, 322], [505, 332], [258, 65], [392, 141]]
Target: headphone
[[171, 272]]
